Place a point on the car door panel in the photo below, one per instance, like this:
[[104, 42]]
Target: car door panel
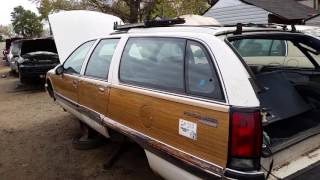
[[94, 94], [158, 117], [94, 88], [67, 86]]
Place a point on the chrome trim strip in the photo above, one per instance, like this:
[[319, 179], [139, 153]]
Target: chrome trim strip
[[187, 158], [245, 173], [184, 99], [85, 119]]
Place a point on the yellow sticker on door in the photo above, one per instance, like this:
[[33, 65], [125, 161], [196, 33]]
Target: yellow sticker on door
[[188, 129]]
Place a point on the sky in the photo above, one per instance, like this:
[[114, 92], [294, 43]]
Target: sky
[[6, 7]]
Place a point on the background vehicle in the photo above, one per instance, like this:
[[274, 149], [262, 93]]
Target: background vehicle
[[35, 58], [7, 47], [193, 103], [13, 55]]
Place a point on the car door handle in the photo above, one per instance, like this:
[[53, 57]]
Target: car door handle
[[75, 83], [101, 89]]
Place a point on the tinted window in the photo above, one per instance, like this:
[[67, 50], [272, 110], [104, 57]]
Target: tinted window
[[201, 77], [278, 48], [260, 47], [74, 63], [154, 62], [100, 60]]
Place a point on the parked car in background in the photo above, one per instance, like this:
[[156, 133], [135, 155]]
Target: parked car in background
[[34, 58], [7, 47], [194, 101], [13, 55]]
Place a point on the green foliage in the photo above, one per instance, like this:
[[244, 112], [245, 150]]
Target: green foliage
[[26, 23], [6, 31], [128, 10], [174, 8]]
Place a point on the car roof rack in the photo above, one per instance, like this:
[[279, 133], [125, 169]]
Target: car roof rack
[[149, 23], [240, 26]]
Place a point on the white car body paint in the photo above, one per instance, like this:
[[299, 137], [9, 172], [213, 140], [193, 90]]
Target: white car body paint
[[236, 85], [165, 168], [72, 28]]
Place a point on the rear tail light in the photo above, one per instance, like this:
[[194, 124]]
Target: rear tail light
[[245, 140]]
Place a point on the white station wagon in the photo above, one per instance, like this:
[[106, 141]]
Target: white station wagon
[[204, 102]]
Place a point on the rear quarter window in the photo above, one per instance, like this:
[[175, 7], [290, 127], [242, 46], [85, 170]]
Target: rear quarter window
[[170, 64]]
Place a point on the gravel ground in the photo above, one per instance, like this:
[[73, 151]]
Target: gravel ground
[[36, 135]]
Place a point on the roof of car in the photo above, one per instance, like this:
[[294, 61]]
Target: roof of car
[[212, 30]]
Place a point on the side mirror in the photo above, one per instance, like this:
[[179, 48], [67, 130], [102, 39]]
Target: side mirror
[[59, 70]]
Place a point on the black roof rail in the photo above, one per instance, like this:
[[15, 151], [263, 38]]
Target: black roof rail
[[240, 26], [149, 23]]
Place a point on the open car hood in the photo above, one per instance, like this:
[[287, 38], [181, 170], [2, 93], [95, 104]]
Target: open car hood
[[72, 28]]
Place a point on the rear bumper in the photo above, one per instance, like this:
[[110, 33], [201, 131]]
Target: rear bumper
[[35, 70], [234, 174]]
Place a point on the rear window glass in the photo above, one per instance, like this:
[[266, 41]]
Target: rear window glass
[[201, 76], [154, 62], [171, 64]]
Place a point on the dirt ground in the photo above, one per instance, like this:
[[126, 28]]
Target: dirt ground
[[36, 135]]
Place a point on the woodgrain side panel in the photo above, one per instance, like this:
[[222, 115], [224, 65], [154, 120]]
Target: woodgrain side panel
[[159, 119], [94, 95], [66, 84]]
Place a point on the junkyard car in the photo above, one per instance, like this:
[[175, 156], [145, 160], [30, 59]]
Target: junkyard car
[[13, 55], [34, 58], [7, 47], [194, 101]]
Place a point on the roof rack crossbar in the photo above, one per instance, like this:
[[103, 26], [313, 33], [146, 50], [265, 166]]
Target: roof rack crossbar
[[149, 23]]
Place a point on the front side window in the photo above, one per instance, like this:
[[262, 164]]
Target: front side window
[[99, 63], [74, 63], [201, 76], [154, 62]]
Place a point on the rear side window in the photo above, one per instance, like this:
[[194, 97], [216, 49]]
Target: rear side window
[[154, 62], [201, 76], [170, 64], [74, 63], [99, 63]]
